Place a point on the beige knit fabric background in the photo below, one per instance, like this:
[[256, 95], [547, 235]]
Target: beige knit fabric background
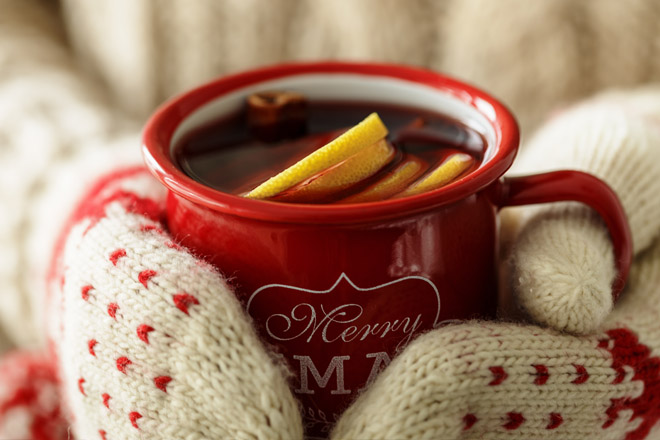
[[63, 70], [78, 79]]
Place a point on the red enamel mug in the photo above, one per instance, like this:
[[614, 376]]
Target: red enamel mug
[[339, 289]]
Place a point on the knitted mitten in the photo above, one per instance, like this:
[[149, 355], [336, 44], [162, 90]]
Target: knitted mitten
[[504, 381], [150, 342], [563, 264]]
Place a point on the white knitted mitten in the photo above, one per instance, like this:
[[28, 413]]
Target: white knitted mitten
[[150, 342], [505, 381], [563, 263]]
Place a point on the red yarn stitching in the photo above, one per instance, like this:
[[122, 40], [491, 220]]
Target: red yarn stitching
[[122, 363], [112, 310], [469, 420], [84, 292], [499, 375], [145, 275], [515, 420], [612, 411], [116, 255], [582, 373], [102, 434], [143, 332], [133, 417], [106, 398], [81, 381], [173, 245], [90, 345], [555, 421], [627, 350], [183, 300], [147, 228], [161, 382], [542, 374], [93, 207]]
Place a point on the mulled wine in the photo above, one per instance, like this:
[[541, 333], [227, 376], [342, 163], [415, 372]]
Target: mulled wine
[[241, 151]]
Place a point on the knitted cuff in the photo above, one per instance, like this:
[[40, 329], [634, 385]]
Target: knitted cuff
[[563, 265]]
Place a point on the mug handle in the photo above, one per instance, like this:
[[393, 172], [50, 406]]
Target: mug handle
[[581, 187]]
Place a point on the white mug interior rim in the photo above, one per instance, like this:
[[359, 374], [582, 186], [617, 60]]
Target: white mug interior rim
[[347, 87]]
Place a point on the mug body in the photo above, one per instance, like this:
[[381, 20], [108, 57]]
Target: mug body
[[339, 300], [338, 290]]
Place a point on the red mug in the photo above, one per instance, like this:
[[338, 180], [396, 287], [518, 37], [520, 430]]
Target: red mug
[[340, 289]]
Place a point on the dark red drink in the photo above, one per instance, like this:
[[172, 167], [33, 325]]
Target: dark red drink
[[228, 157]]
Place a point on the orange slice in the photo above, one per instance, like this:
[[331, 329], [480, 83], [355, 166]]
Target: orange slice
[[364, 134], [356, 168], [447, 171], [393, 183]]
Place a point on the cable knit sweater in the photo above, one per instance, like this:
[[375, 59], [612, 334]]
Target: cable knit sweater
[[73, 95]]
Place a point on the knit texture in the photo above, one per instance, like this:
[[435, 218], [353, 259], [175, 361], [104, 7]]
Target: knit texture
[[148, 340], [152, 343], [546, 54], [564, 265], [59, 80]]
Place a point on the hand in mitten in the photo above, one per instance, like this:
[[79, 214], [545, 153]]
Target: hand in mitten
[[564, 268], [150, 341], [501, 380]]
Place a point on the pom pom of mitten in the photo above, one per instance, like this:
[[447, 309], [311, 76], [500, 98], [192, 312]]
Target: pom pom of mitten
[[563, 265], [30, 399], [151, 342], [504, 381]]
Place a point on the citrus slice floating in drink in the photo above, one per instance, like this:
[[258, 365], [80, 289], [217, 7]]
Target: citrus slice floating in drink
[[394, 182], [366, 133], [447, 171], [358, 167]]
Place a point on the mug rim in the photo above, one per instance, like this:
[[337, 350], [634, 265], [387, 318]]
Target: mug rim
[[161, 126]]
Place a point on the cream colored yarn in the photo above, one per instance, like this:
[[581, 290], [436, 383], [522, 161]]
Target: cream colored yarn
[[564, 265], [535, 56], [151, 341], [470, 381]]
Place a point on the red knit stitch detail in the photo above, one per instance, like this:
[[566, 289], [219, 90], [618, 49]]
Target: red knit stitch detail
[[626, 350], [582, 373], [112, 310], [542, 374], [93, 206], [555, 421], [183, 300], [122, 363], [84, 292], [90, 345], [499, 375], [81, 381], [133, 417], [147, 228], [612, 411], [106, 398], [515, 420], [145, 275], [173, 245], [102, 434], [620, 375], [143, 332], [161, 382], [116, 255], [468, 421]]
